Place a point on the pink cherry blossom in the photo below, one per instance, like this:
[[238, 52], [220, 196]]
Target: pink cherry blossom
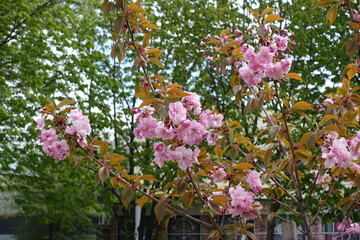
[[256, 206], [162, 157], [354, 144], [57, 149], [48, 136], [239, 40], [237, 32], [249, 76], [146, 128], [209, 58], [82, 142], [253, 179], [185, 157], [285, 65], [216, 120], [192, 102], [71, 130], [353, 229], [337, 153], [249, 53], [341, 227], [60, 150], [177, 112], [328, 101], [357, 16], [242, 203], [191, 132], [281, 42], [75, 114], [40, 123], [356, 167], [143, 112], [275, 71], [163, 132], [82, 126], [212, 138], [219, 175], [322, 179], [159, 146], [204, 118], [265, 55]]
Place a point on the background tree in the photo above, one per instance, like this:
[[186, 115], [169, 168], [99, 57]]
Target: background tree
[[49, 49]]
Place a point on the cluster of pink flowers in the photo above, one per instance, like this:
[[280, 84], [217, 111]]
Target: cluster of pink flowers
[[348, 226], [253, 179], [180, 129], [257, 66], [52, 147], [78, 126], [218, 175], [340, 151], [268, 62], [242, 203]]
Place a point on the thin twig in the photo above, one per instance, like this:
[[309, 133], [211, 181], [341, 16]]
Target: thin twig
[[201, 197], [278, 184], [283, 219], [323, 203], [284, 205], [119, 178], [312, 189], [137, 52], [295, 173]]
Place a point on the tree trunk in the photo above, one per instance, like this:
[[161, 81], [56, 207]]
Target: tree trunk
[[272, 224]]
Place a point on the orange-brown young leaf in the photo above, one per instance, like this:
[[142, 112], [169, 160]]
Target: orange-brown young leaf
[[267, 11], [272, 18], [150, 25], [332, 13], [142, 201], [65, 102], [160, 210]]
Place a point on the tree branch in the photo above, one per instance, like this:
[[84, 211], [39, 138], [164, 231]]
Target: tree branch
[[119, 178]]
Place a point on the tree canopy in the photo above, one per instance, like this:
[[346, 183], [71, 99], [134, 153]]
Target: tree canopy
[[52, 49]]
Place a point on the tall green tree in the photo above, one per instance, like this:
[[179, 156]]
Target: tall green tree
[[49, 49]]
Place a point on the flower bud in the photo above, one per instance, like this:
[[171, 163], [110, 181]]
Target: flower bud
[[238, 32]]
